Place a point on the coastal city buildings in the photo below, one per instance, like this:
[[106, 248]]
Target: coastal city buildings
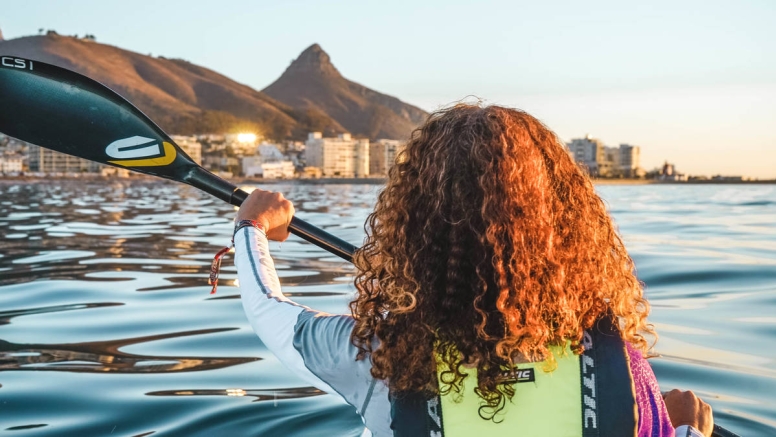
[[11, 163], [630, 160], [382, 155], [42, 160], [190, 146], [248, 155], [241, 144], [224, 154], [277, 170], [342, 156], [268, 162], [269, 152], [251, 166], [603, 161], [589, 152]]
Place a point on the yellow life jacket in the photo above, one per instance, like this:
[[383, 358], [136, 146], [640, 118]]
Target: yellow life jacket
[[588, 395]]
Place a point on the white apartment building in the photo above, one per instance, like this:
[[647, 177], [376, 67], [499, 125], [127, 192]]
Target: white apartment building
[[268, 162], [601, 160], [630, 159], [382, 155], [251, 166], [278, 170], [48, 161], [590, 153], [190, 146], [267, 168], [11, 163], [338, 157]]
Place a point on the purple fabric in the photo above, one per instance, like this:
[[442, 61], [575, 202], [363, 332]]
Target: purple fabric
[[653, 416]]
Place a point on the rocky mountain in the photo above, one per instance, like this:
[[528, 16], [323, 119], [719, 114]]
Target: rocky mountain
[[184, 98], [314, 87]]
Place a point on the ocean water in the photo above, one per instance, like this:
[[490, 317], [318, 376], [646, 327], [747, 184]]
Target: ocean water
[[107, 326]]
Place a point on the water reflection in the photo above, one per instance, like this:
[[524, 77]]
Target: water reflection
[[6, 316], [25, 427], [105, 356], [273, 394]]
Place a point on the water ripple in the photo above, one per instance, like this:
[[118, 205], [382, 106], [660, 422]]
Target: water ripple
[[105, 356]]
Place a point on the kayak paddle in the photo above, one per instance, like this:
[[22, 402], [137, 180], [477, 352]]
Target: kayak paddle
[[62, 110]]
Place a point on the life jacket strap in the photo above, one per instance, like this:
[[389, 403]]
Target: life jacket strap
[[608, 393]]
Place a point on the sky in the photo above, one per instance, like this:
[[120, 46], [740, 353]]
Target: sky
[[691, 82]]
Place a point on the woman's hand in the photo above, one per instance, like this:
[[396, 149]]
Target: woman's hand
[[684, 408], [271, 209]]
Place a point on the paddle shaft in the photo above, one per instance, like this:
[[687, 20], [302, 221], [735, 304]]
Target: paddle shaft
[[719, 431], [214, 185]]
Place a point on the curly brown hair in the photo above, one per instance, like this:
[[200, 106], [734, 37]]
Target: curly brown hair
[[488, 242]]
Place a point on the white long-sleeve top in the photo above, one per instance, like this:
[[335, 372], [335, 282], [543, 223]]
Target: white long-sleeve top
[[314, 345]]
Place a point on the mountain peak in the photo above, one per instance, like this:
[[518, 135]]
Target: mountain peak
[[313, 87], [313, 60]]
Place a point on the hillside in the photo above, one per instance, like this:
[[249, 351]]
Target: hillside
[[311, 83], [184, 98]]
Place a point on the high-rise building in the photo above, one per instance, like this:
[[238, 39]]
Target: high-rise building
[[630, 160], [11, 163], [339, 157], [590, 153], [382, 155], [48, 161], [600, 160]]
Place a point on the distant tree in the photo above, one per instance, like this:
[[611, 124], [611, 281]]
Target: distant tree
[[40, 31]]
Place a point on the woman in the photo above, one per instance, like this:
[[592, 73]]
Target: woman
[[494, 296]]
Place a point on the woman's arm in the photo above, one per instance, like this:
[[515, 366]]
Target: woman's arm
[[314, 345], [272, 316]]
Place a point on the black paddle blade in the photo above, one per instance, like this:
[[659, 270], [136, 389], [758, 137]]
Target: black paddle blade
[[61, 110]]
